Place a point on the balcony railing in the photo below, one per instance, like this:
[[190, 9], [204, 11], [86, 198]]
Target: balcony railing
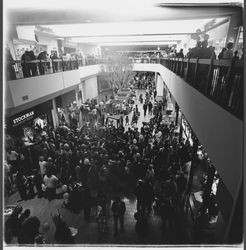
[[23, 69], [219, 80]]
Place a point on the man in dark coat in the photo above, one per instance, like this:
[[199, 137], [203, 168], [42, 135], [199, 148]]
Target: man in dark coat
[[145, 108], [41, 66], [37, 181], [29, 230], [150, 106], [141, 199], [118, 209]]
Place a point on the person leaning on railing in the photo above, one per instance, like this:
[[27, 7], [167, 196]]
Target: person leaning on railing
[[10, 71], [33, 66], [54, 63], [26, 67], [228, 54], [42, 56]]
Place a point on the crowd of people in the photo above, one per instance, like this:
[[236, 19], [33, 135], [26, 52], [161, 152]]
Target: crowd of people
[[75, 161], [203, 51], [47, 63]]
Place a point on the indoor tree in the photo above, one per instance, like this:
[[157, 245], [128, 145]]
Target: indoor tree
[[117, 69]]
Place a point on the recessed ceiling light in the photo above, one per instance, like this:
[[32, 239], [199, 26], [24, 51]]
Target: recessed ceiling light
[[88, 21]]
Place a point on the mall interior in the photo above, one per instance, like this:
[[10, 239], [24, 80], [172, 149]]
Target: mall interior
[[123, 123]]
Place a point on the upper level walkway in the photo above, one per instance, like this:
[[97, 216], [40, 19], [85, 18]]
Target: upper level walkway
[[219, 80], [197, 86]]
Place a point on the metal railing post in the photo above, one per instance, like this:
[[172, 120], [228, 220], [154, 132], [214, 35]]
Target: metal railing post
[[210, 77]]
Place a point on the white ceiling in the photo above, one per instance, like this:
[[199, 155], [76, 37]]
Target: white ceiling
[[121, 22], [118, 5], [129, 28]]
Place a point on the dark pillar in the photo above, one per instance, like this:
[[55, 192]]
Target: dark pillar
[[180, 130], [177, 113], [193, 158], [208, 188]]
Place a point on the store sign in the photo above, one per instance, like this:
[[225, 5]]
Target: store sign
[[23, 118]]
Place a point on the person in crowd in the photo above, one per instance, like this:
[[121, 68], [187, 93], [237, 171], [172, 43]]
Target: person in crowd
[[195, 52], [212, 52], [127, 120], [33, 66], [42, 56], [42, 165], [50, 182], [11, 225], [141, 198], [21, 182], [145, 106], [141, 98], [204, 52], [150, 106], [102, 221], [54, 63], [12, 158], [63, 233], [10, 70], [118, 209], [155, 93], [66, 173], [26, 214], [220, 56], [102, 200], [23, 216], [141, 227], [228, 54], [37, 181], [30, 187], [26, 67], [236, 57], [180, 54], [29, 230], [50, 166], [150, 174], [167, 212], [149, 196], [188, 55]]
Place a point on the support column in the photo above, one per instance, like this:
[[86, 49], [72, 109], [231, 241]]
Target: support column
[[155, 79], [77, 99], [55, 113], [180, 130], [177, 113]]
